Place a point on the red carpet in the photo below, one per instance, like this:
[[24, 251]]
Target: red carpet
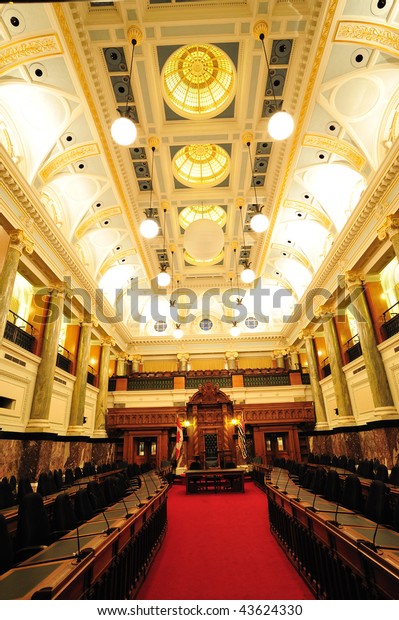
[[219, 546]]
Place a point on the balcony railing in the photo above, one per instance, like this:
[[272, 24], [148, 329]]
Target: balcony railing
[[19, 331], [91, 375], [64, 359], [325, 367], [353, 348], [391, 320], [305, 378]]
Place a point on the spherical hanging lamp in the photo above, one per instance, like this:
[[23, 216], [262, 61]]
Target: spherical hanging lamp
[[281, 125], [178, 332], [163, 278], [203, 239], [149, 228], [235, 330], [247, 275], [259, 222], [124, 131]]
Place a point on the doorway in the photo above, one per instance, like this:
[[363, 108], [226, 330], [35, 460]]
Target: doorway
[[276, 446]]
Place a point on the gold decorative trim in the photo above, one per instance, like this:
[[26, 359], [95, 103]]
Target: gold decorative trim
[[383, 38], [260, 27], [93, 104], [134, 32], [298, 255], [20, 242], [66, 158], [94, 219], [17, 53], [389, 228], [322, 218], [338, 147], [299, 126], [115, 258]]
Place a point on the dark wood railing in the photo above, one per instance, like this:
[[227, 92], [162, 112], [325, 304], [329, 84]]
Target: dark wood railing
[[19, 331], [64, 359], [353, 348], [391, 320]]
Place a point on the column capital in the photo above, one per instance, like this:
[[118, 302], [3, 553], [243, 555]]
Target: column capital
[[389, 228], [19, 241], [108, 342], [183, 356], [354, 279], [88, 320], [306, 334], [136, 357], [231, 354], [60, 287], [324, 312]]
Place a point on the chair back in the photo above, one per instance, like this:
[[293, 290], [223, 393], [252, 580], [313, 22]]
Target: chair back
[[6, 550], [33, 527], [83, 508], [24, 487], [6, 494], [376, 507], [332, 489], [381, 473], [64, 518], [352, 493]]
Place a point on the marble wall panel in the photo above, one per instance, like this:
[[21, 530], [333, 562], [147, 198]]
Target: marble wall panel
[[28, 457], [381, 443]]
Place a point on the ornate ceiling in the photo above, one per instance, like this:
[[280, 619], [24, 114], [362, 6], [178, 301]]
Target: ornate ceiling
[[201, 99]]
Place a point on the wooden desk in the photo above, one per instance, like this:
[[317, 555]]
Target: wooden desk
[[333, 551], [113, 563], [216, 480]]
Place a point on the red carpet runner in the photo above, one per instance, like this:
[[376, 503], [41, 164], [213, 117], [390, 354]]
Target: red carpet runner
[[219, 546]]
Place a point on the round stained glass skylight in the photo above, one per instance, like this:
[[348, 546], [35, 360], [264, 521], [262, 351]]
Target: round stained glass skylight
[[198, 80], [204, 165], [206, 212]]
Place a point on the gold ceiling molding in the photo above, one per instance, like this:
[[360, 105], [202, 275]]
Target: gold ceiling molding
[[383, 38], [298, 255], [14, 54], [95, 219], [5, 139], [59, 10], [301, 117], [338, 147], [322, 218], [201, 165], [211, 261], [115, 258], [66, 158]]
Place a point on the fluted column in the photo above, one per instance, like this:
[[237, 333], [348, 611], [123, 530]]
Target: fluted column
[[231, 357], [390, 228], [182, 361], [40, 411], [121, 366], [317, 392], [294, 359], [279, 357], [376, 374], [344, 404], [136, 361], [101, 405], [79, 389], [18, 244]]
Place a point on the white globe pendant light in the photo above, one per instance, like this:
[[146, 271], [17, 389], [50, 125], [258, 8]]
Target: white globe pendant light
[[163, 278], [203, 239], [149, 228], [124, 131], [247, 275], [178, 332], [281, 125], [259, 222], [235, 330]]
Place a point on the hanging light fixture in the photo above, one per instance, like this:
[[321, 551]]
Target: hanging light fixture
[[172, 301], [259, 222], [235, 330], [123, 129], [149, 227], [281, 123], [177, 332], [163, 278], [248, 274]]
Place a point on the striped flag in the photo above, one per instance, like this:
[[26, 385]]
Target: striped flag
[[241, 438], [179, 439]]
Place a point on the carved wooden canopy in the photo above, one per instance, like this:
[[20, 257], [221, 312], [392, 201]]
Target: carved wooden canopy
[[209, 394]]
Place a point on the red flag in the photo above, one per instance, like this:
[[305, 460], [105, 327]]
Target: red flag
[[179, 439]]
